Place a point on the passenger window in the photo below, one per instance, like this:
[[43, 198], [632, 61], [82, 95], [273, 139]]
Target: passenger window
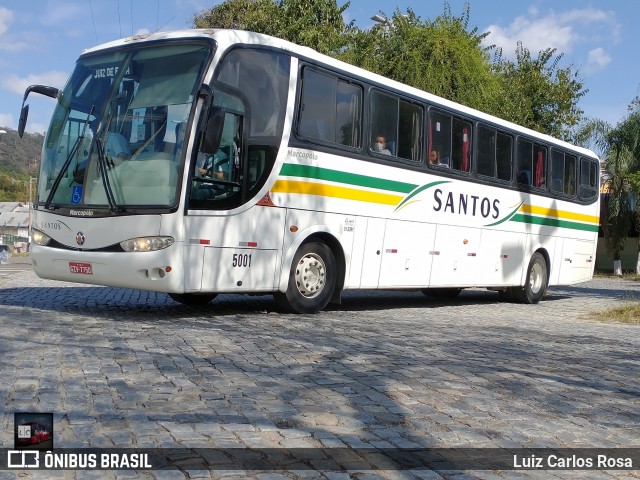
[[449, 141], [532, 164], [330, 109], [494, 153], [588, 179], [486, 151], [504, 153], [539, 166], [525, 162], [395, 127], [263, 77], [570, 166], [563, 176]]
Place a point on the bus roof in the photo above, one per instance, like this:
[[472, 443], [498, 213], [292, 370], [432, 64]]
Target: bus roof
[[227, 38]]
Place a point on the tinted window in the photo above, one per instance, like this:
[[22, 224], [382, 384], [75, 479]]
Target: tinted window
[[330, 109], [589, 182], [395, 127], [504, 153], [449, 141], [494, 153], [263, 77], [563, 173], [532, 164]]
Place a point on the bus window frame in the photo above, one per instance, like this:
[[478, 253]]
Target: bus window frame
[[562, 195], [500, 182], [470, 173], [295, 127], [371, 92]]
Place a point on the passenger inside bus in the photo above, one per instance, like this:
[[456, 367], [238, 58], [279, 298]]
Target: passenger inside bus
[[435, 160], [380, 145]]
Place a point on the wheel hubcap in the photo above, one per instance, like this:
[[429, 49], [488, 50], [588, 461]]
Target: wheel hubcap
[[535, 278], [310, 275]]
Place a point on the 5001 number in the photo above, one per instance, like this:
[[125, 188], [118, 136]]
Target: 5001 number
[[241, 260]]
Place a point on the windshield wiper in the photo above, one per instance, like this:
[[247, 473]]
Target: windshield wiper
[[67, 162], [103, 167]]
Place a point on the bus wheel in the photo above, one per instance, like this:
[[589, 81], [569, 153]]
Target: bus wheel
[[442, 292], [535, 286], [193, 298], [311, 280]]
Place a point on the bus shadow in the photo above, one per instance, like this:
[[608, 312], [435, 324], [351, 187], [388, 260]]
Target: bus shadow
[[102, 301]]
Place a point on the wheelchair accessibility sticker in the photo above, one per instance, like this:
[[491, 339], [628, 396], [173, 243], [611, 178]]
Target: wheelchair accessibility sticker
[[76, 194]]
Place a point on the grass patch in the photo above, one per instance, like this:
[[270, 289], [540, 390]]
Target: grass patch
[[629, 315], [633, 276]]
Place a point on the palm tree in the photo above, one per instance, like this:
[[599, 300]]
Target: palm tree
[[620, 151]]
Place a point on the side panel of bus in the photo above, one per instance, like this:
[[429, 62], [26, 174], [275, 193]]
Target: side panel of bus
[[235, 253]]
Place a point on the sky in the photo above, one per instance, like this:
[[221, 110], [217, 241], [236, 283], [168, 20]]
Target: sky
[[40, 40]]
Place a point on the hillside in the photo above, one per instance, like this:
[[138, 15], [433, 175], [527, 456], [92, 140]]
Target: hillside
[[19, 159]]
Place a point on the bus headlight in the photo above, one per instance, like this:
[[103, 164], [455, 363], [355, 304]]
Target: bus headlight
[[146, 244], [40, 238]]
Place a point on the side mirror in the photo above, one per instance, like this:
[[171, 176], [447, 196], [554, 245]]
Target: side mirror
[[22, 121], [213, 131], [24, 112]]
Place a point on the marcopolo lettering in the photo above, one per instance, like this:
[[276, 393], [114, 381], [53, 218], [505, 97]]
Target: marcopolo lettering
[[296, 154], [81, 213]]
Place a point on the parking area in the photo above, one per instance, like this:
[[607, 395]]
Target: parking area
[[388, 370]]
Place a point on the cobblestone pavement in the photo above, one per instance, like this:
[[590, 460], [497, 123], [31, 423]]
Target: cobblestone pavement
[[124, 368]]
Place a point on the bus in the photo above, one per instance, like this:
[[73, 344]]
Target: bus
[[210, 161]]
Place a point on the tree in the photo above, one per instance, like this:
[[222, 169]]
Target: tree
[[538, 94], [318, 24], [441, 56], [620, 148], [252, 15]]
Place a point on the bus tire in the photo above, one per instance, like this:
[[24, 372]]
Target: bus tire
[[535, 285], [193, 298], [312, 279], [443, 293]]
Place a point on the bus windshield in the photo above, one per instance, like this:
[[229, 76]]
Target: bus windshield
[[113, 139]]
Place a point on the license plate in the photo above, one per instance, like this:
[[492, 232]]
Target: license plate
[[81, 268]]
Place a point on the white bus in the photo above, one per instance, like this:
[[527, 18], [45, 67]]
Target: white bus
[[207, 161]]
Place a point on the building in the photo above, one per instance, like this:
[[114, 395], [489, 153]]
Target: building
[[14, 225]]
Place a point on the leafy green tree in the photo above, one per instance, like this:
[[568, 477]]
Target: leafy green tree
[[538, 94], [620, 150], [315, 23], [446, 57], [253, 15], [441, 56]]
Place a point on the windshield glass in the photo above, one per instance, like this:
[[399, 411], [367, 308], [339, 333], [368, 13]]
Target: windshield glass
[[116, 135]]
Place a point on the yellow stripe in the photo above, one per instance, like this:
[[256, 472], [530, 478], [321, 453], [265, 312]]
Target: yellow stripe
[[561, 214], [323, 190]]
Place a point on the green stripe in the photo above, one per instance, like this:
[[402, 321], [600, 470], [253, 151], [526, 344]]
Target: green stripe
[[419, 190], [508, 217], [291, 170], [554, 222]]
